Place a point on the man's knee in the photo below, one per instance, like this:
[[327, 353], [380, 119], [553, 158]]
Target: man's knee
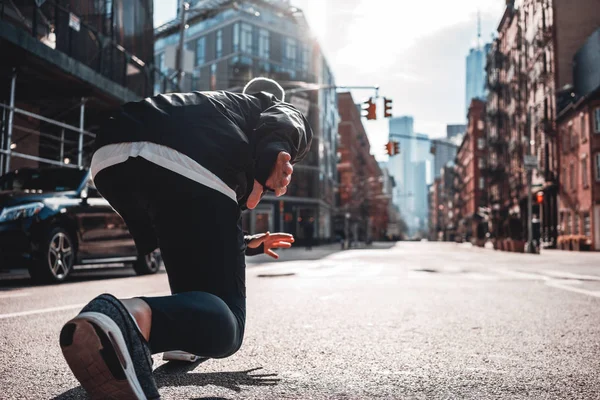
[[229, 339], [221, 332]]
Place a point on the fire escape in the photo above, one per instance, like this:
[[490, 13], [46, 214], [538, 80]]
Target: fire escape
[[540, 63]]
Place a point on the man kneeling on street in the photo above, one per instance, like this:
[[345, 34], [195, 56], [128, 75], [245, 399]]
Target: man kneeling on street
[[180, 168]]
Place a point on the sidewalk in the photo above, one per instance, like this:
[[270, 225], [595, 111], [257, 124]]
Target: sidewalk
[[296, 253], [299, 253]]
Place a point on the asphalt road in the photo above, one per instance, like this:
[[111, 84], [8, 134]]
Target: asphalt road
[[414, 321]]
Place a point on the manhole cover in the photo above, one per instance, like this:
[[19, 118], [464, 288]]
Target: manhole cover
[[275, 275]]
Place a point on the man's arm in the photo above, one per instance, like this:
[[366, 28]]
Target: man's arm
[[253, 251]]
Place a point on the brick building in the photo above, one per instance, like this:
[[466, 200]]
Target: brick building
[[435, 211], [363, 205], [530, 60], [506, 123], [471, 194], [578, 123]]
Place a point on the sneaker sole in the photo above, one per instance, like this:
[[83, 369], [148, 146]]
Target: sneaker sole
[[179, 356], [95, 350]]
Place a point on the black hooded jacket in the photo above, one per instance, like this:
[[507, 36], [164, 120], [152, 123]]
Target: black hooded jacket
[[235, 136]]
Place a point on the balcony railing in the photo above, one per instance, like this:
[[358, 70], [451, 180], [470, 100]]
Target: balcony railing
[[515, 146], [544, 36], [547, 126], [494, 83], [497, 142], [90, 42], [495, 172]]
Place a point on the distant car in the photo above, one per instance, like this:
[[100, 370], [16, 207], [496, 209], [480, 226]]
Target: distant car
[[52, 219]]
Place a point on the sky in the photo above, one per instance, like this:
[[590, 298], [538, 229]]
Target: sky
[[413, 50]]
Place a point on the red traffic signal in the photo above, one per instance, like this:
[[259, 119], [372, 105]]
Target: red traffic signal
[[387, 108], [371, 109], [539, 197], [392, 148]]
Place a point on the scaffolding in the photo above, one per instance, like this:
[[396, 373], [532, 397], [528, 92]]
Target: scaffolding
[[66, 148]]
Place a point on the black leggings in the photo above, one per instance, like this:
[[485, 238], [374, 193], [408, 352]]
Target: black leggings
[[198, 231]]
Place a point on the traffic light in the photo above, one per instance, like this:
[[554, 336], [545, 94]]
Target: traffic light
[[392, 148], [371, 109], [387, 108], [539, 197], [389, 148]]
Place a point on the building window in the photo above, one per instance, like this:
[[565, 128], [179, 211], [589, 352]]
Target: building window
[[219, 44], [481, 143], [481, 163], [201, 51], [576, 224], [584, 172], [569, 227], [289, 52], [587, 228], [597, 120], [582, 127], [236, 37], [161, 63], [264, 44], [481, 183], [597, 167], [246, 38], [572, 136], [564, 178], [305, 58], [572, 176]]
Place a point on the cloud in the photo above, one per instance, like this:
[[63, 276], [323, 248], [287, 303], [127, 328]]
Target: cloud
[[414, 50]]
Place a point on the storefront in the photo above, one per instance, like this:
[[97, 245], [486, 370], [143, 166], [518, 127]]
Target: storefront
[[301, 219]]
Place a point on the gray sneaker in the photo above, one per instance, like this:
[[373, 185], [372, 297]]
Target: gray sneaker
[[107, 353]]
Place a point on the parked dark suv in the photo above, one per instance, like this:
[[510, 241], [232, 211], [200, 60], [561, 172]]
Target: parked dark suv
[[54, 218]]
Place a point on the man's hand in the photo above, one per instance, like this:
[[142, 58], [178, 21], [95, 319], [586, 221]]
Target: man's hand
[[280, 178], [272, 241]]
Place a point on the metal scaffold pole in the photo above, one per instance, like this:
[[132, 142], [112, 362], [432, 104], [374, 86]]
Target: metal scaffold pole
[[11, 116], [184, 9], [2, 137], [81, 131], [62, 145]]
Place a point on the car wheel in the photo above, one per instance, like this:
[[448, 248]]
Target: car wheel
[[148, 264], [56, 257]]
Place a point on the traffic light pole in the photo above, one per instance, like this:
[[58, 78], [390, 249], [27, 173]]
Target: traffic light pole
[[530, 212], [397, 135], [319, 87]]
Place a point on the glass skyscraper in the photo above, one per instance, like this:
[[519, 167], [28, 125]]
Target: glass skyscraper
[[409, 170]]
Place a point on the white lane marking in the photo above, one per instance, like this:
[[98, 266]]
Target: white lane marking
[[517, 274], [573, 289], [69, 307], [558, 284], [570, 275], [11, 295], [40, 311]]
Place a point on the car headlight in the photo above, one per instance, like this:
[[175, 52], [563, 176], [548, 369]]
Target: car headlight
[[22, 211]]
